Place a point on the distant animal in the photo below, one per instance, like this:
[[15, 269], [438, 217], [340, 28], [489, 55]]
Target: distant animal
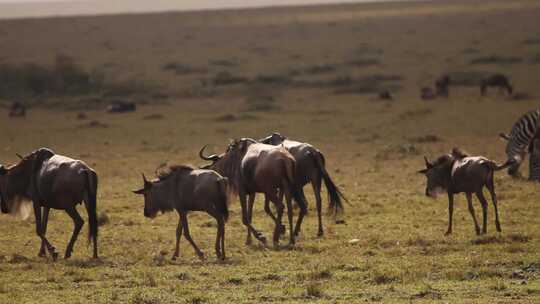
[[186, 189], [457, 172], [427, 93], [121, 107], [310, 168], [48, 180], [17, 109], [253, 167], [519, 141], [441, 85], [496, 80], [385, 95]]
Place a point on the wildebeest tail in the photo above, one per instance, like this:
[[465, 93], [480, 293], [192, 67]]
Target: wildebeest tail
[[91, 205], [222, 204], [290, 169], [335, 196], [494, 166]]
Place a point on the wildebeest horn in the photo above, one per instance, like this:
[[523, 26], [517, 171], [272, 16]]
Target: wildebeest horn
[[428, 164], [212, 157], [144, 178], [19, 156]]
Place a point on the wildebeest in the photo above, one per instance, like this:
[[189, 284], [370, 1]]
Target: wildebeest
[[17, 109], [310, 168], [427, 93], [186, 189], [121, 107], [385, 95], [441, 85], [496, 80], [49, 180], [457, 172], [253, 167]]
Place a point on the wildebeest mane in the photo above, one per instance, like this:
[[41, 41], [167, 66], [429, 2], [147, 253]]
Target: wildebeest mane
[[172, 170], [459, 153]]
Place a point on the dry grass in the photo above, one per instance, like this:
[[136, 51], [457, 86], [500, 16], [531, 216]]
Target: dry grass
[[372, 149]]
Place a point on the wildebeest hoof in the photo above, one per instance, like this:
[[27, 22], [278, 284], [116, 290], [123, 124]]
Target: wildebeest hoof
[[320, 234], [42, 254], [282, 229], [54, 255], [449, 232], [67, 255], [262, 238], [201, 256], [174, 257]]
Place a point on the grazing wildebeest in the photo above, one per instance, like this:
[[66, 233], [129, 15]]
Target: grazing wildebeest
[[457, 172], [385, 95], [54, 181], [186, 189], [427, 93], [121, 107], [441, 85], [310, 168], [17, 109], [253, 167], [496, 80]]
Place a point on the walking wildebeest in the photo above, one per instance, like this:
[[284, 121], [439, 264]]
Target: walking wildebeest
[[186, 189], [496, 80], [457, 172], [121, 107], [253, 167], [427, 93], [441, 85], [50, 180], [310, 168], [17, 109]]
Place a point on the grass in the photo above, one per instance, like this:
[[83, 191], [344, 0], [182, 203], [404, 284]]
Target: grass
[[390, 246]]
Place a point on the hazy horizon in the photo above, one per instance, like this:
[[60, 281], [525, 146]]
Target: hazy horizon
[[47, 8]]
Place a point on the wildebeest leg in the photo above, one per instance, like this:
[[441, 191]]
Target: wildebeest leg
[[491, 189], [279, 229], [316, 183], [251, 201], [178, 236], [245, 219], [471, 211], [484, 204], [298, 225], [220, 244], [184, 221], [450, 212], [271, 215], [39, 231], [44, 221], [288, 198], [79, 222]]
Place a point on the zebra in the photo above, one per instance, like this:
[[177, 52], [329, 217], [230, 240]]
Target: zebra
[[520, 141]]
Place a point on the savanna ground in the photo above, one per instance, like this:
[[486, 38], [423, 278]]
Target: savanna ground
[[312, 74]]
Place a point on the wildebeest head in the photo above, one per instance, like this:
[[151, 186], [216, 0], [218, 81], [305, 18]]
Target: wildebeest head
[[150, 209], [438, 175], [273, 139]]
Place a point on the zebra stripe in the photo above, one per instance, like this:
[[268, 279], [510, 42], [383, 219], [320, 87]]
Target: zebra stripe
[[523, 131]]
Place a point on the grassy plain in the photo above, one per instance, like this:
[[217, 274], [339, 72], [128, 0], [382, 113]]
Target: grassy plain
[[303, 72]]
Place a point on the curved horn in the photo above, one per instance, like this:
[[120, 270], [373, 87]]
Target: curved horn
[[144, 178], [19, 156], [212, 157], [428, 164]]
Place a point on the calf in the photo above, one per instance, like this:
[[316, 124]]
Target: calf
[[457, 172]]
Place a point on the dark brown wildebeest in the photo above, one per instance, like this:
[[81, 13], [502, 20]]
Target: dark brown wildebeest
[[310, 168], [441, 85], [52, 181], [457, 172], [186, 189], [427, 93], [17, 109], [253, 167], [496, 80], [121, 107]]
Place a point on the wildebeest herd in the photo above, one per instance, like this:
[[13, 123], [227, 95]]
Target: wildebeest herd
[[274, 166]]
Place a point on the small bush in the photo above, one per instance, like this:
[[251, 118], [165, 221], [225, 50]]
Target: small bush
[[364, 62], [103, 218], [314, 290], [320, 69], [182, 69], [226, 78], [273, 79], [261, 104]]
